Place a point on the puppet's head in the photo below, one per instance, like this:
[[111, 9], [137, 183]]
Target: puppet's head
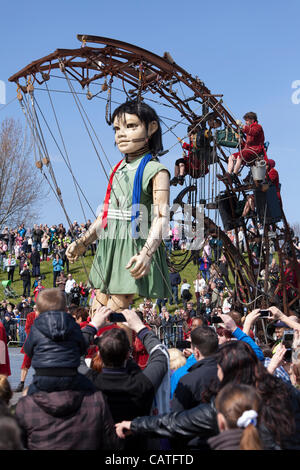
[[137, 126]]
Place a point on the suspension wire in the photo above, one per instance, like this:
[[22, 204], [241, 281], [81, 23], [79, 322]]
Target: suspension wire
[[113, 88], [118, 103], [66, 162], [173, 133], [261, 250], [170, 130], [114, 101], [71, 87], [66, 153], [86, 127], [7, 104], [56, 191]]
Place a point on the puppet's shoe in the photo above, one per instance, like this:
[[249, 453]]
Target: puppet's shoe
[[174, 181], [235, 179], [222, 177]]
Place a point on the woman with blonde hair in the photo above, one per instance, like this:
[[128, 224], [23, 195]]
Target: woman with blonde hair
[[177, 359]]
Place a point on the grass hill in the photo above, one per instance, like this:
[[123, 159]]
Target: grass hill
[[80, 270]]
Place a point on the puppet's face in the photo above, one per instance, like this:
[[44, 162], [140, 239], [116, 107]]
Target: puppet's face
[[131, 133]]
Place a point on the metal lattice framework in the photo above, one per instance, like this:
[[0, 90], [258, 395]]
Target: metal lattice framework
[[141, 74]]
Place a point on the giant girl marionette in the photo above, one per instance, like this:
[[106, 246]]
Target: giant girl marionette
[[129, 259]]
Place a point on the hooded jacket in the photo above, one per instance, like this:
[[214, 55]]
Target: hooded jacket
[[55, 341], [226, 440]]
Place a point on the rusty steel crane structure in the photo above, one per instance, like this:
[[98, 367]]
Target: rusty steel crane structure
[[119, 67]]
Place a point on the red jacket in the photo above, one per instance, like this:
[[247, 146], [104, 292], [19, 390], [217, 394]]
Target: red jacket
[[139, 352], [93, 348], [255, 137], [273, 176], [29, 322], [193, 165]]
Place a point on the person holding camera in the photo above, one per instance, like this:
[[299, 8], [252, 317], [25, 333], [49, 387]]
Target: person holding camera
[[10, 265], [175, 280], [62, 409], [128, 390], [277, 363], [26, 278], [57, 268]]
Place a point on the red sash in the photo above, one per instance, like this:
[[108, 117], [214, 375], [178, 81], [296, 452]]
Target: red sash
[[107, 196]]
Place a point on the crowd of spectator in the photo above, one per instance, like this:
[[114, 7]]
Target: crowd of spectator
[[203, 376], [221, 388]]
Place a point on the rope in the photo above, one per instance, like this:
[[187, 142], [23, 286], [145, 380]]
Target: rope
[[67, 161], [170, 129], [57, 192], [166, 283], [260, 257]]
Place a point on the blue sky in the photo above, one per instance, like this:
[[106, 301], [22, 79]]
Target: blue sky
[[249, 52]]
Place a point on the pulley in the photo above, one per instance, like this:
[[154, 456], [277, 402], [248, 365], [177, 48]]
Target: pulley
[[104, 86], [19, 94]]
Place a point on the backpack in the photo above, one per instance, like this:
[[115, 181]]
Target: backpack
[[186, 295]]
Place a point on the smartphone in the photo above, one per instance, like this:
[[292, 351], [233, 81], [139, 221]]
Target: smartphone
[[216, 319], [116, 317], [265, 314], [183, 344], [288, 355], [288, 338]]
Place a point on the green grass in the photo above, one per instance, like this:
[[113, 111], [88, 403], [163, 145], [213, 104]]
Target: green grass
[[79, 270]]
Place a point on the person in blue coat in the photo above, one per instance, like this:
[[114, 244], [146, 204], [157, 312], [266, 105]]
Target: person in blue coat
[[57, 268]]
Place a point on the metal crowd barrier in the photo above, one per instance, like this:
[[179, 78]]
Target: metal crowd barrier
[[17, 332], [169, 335]]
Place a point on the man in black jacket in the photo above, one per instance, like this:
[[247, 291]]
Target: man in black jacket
[[175, 280], [26, 278], [35, 261], [129, 391], [37, 234], [191, 386]]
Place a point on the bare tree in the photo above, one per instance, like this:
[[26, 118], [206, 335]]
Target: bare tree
[[22, 187]]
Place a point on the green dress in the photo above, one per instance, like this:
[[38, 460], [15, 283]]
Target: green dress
[[116, 245]]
